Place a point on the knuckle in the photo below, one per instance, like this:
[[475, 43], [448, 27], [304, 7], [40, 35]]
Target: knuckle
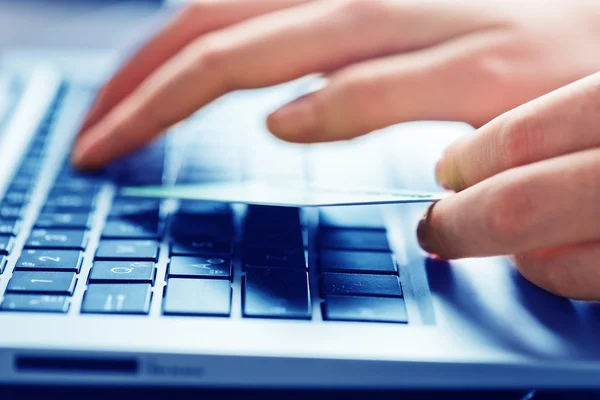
[[364, 11], [508, 214], [520, 136], [356, 93], [194, 10], [212, 55], [591, 96]]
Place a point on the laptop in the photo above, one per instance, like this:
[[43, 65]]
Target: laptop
[[101, 289]]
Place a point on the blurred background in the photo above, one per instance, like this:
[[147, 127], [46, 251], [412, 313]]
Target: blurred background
[[78, 23]]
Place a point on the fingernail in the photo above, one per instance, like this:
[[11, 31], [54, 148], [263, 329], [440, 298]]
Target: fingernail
[[78, 153], [444, 177], [83, 149], [439, 175], [294, 121], [423, 232]]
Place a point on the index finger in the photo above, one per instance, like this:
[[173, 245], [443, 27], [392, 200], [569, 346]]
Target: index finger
[[562, 122], [196, 19]]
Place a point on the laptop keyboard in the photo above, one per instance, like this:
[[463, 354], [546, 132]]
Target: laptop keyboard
[[124, 255]]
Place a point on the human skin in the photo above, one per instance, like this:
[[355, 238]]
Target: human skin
[[393, 61]]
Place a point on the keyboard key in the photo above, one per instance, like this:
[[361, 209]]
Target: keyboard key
[[6, 243], [131, 229], [361, 284], [35, 303], [57, 239], [2, 263], [125, 250], [117, 299], [9, 227], [201, 267], [203, 208], [76, 183], [198, 297], [365, 217], [15, 197], [278, 258], [272, 218], [353, 239], [59, 260], [276, 293], [42, 282], [70, 200], [190, 225], [122, 271], [200, 246], [20, 183], [127, 207], [10, 212], [357, 261], [274, 240], [63, 220], [371, 309]]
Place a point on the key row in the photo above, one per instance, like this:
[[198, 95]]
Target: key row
[[267, 294]]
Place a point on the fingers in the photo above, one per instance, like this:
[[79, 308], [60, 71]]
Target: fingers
[[540, 205], [562, 122], [195, 20], [263, 51], [421, 85], [570, 271]]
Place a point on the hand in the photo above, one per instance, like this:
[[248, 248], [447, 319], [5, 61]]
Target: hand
[[386, 62], [529, 185]]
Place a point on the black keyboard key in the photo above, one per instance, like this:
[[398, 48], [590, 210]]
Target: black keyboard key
[[20, 183], [70, 200], [42, 282], [35, 303], [361, 284], [200, 267], [122, 271], [210, 297], [6, 244], [190, 225], [203, 208], [369, 309], [272, 218], [200, 246], [274, 239], [353, 239], [10, 212], [357, 261], [59, 260], [127, 207], [277, 258], [57, 239], [364, 217], [117, 299], [127, 250], [63, 220], [131, 229], [276, 293], [9, 227], [15, 198], [83, 184]]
